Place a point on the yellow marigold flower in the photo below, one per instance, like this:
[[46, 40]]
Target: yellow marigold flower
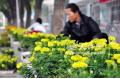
[[62, 43], [114, 45], [51, 36], [86, 45], [79, 65], [50, 44], [44, 40], [116, 56], [110, 62], [45, 49], [38, 43], [112, 38], [19, 65], [76, 57], [84, 59], [69, 42], [31, 58], [97, 49], [61, 49], [102, 40], [32, 36], [37, 48], [118, 61], [69, 52]]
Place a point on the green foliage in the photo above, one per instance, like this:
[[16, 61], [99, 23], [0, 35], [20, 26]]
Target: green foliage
[[8, 51]]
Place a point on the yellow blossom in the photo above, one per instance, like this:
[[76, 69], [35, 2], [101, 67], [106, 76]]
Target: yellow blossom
[[37, 48], [114, 45], [62, 43], [97, 49], [50, 44], [116, 56], [44, 40], [32, 36], [45, 50], [110, 62], [84, 59], [112, 38], [79, 65], [19, 65], [118, 61], [38, 43], [69, 52], [102, 40], [76, 57], [31, 58], [61, 49], [86, 45]]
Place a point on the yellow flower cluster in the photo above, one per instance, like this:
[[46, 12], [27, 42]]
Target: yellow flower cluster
[[50, 44], [69, 52], [37, 48], [79, 65], [110, 62], [61, 49], [99, 44], [32, 57], [79, 61], [37, 43], [32, 35], [114, 45], [10, 27], [112, 38], [116, 57], [45, 50], [76, 57], [19, 65], [7, 58], [18, 31], [44, 40]]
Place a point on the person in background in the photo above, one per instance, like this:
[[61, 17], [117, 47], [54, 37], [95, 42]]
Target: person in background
[[79, 26], [37, 26]]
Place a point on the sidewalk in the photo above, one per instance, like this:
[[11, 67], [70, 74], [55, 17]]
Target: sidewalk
[[9, 74]]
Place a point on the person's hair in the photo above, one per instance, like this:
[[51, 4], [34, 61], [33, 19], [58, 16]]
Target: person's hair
[[74, 8], [39, 20]]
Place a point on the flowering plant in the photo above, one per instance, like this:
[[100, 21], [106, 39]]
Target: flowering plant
[[62, 57]]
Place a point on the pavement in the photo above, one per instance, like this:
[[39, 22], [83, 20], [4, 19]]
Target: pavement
[[9, 74]]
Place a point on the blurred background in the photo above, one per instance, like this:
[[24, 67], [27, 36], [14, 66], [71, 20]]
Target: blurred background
[[23, 13]]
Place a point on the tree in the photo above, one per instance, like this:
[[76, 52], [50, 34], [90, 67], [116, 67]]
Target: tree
[[9, 10], [8, 7], [38, 8], [58, 16], [28, 9]]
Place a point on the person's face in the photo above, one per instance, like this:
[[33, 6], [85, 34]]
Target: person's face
[[71, 15]]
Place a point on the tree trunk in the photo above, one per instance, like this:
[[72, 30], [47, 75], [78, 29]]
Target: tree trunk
[[12, 6], [28, 8], [58, 16], [21, 8], [38, 8]]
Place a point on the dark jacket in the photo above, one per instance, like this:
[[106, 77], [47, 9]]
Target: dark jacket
[[84, 32]]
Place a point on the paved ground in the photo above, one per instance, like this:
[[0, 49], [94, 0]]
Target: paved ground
[[9, 74]]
